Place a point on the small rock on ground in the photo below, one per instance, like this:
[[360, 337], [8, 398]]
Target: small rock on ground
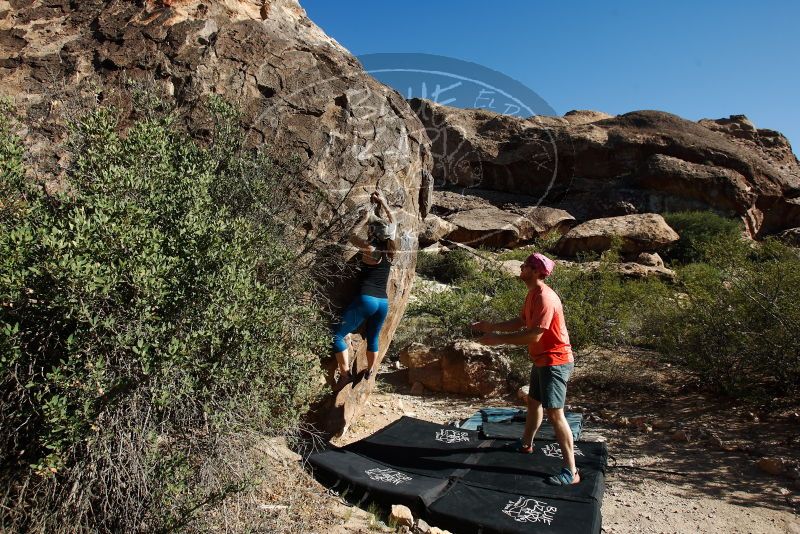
[[401, 516]]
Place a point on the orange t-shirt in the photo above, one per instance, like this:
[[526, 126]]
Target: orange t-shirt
[[543, 310]]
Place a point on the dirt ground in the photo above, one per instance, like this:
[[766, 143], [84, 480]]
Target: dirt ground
[[683, 461]]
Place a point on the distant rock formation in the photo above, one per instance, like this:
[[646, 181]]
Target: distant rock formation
[[299, 91], [639, 233], [595, 165], [484, 218]]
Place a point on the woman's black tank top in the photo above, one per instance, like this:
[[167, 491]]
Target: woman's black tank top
[[375, 277]]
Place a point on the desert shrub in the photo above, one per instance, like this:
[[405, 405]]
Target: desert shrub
[[446, 315], [543, 244], [739, 320], [149, 322], [450, 268], [480, 283], [698, 231], [603, 308]]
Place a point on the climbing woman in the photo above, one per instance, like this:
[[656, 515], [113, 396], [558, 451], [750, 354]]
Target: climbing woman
[[372, 302]]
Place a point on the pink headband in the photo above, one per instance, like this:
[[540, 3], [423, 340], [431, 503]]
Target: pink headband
[[540, 263]]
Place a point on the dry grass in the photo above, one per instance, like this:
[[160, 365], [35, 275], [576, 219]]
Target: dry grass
[[283, 497], [621, 371]]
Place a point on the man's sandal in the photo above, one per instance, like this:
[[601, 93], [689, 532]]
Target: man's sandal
[[517, 446], [564, 478]]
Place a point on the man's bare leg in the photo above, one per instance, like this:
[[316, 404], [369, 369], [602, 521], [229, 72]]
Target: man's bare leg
[[532, 421], [563, 436]]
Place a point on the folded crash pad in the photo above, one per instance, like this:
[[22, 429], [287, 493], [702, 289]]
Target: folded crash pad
[[459, 481], [508, 423]]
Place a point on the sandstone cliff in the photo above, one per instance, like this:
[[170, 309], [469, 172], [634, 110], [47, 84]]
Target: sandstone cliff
[[595, 165]]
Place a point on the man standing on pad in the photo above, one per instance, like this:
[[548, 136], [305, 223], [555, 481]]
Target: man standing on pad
[[541, 326]]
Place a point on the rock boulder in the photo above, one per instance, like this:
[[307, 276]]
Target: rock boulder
[[484, 218], [649, 259], [790, 237], [435, 229], [627, 269], [489, 227], [638, 233], [463, 366], [298, 90]]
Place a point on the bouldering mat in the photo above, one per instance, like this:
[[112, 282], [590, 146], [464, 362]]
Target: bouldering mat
[[457, 480], [508, 423]]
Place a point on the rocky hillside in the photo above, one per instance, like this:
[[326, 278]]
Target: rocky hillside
[[595, 165], [300, 93]]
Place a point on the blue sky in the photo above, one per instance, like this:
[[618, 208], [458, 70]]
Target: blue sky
[[695, 59]]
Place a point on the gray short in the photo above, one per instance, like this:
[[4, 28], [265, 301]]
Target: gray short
[[549, 384]]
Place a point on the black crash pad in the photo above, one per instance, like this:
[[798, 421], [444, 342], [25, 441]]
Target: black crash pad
[[508, 423], [459, 481]]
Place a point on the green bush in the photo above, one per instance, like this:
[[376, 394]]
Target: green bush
[[600, 308], [739, 321], [699, 231], [149, 319], [450, 313], [481, 288], [449, 268], [543, 244], [603, 308]]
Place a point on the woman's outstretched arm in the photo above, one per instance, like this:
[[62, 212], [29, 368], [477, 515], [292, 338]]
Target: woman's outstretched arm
[[378, 199], [355, 234]]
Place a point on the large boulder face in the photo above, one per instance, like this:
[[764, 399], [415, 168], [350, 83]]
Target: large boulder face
[[595, 165], [638, 233], [300, 93], [462, 366], [483, 218]]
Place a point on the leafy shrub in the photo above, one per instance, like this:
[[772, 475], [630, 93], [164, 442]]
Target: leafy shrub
[[453, 267], [698, 231], [603, 308], [543, 243], [149, 319], [739, 321], [449, 313]]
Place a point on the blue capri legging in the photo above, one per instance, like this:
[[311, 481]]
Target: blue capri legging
[[373, 309]]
